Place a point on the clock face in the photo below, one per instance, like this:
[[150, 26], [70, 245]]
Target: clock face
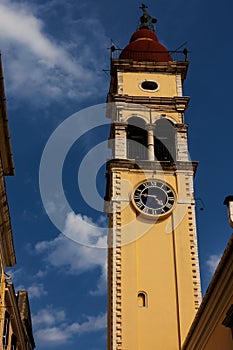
[[154, 198]]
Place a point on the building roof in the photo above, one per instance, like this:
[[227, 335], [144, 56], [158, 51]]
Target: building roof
[[17, 305], [144, 46], [6, 239], [218, 294], [5, 145]]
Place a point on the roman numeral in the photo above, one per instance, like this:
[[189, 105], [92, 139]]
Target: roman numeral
[[137, 196], [145, 210], [145, 185], [168, 205], [162, 185], [140, 205]]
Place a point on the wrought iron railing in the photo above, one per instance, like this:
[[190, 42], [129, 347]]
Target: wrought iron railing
[[177, 56]]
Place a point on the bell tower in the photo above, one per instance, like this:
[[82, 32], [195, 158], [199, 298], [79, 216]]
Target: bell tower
[[153, 267]]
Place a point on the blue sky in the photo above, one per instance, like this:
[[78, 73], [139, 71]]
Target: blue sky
[[54, 53]]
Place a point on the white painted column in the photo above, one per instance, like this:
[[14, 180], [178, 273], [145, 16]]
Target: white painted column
[[182, 143], [120, 149], [150, 142], [179, 85]]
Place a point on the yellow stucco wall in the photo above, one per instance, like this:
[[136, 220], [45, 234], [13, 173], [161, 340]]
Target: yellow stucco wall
[[131, 84], [148, 264]]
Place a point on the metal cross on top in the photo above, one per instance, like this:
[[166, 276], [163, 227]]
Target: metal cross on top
[[147, 22]]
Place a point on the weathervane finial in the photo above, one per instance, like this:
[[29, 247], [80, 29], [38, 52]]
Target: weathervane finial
[[147, 22]]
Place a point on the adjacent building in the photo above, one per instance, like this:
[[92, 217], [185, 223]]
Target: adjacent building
[[15, 318], [212, 328]]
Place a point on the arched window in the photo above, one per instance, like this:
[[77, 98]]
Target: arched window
[[142, 299], [164, 140], [136, 139], [6, 326]]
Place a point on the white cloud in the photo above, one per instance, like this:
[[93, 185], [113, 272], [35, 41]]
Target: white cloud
[[101, 285], [51, 326], [52, 335], [83, 229], [41, 67], [48, 317], [77, 258], [212, 262], [41, 273], [19, 25], [36, 290], [93, 324]]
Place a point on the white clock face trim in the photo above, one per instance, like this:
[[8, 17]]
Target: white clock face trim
[[149, 85], [154, 198]]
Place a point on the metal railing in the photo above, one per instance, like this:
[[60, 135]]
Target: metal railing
[[177, 56]]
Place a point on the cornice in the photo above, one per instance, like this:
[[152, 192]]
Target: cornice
[[114, 165], [181, 127], [176, 103], [172, 67], [151, 165], [5, 145], [6, 238]]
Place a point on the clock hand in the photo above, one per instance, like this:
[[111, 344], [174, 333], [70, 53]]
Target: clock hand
[[159, 201]]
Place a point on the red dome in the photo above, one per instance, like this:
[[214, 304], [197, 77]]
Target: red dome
[[143, 34], [144, 46]]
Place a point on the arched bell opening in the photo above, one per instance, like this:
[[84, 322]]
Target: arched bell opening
[[164, 140], [136, 139]]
